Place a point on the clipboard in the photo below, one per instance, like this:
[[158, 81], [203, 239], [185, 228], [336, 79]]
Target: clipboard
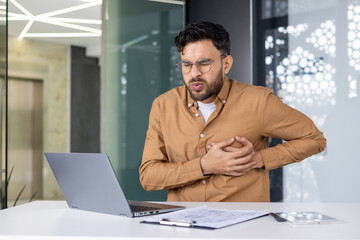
[[177, 222], [204, 217]]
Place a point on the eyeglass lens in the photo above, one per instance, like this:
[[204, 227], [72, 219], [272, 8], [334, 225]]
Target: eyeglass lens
[[203, 65]]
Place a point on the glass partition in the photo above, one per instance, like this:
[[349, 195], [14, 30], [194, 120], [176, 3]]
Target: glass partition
[[139, 64], [322, 79], [311, 60]]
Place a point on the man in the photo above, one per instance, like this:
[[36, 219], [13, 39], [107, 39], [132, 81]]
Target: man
[[208, 139]]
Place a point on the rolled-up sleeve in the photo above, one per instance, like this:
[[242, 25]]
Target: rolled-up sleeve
[[302, 137]]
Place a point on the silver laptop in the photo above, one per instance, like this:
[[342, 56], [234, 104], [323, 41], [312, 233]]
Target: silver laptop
[[88, 182]]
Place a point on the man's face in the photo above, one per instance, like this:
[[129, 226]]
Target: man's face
[[203, 87]]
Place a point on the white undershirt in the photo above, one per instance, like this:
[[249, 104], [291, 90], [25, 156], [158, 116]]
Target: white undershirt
[[206, 109]]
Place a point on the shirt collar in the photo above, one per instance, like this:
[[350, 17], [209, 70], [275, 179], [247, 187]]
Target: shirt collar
[[222, 95]]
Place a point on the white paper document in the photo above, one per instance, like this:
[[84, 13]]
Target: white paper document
[[205, 217]]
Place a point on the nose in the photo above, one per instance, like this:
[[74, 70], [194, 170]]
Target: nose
[[194, 72]]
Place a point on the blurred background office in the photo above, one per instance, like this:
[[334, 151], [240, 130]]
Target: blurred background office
[[80, 76]]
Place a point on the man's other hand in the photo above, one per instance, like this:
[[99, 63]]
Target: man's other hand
[[226, 160]]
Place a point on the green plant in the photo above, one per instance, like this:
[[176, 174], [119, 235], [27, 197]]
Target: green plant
[[2, 195]]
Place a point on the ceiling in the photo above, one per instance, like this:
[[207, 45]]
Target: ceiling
[[69, 22]]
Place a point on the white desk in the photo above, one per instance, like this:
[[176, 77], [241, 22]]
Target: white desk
[[55, 220]]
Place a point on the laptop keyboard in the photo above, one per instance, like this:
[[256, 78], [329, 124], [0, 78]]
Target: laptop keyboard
[[142, 208]]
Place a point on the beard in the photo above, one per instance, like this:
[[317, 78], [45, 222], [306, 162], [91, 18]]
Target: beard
[[210, 89]]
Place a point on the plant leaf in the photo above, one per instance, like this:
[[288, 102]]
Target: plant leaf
[[9, 177], [32, 197], [18, 196]]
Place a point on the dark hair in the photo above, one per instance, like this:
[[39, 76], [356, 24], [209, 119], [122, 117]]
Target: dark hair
[[201, 31]]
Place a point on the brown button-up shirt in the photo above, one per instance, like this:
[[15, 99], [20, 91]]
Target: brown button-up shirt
[[177, 138]]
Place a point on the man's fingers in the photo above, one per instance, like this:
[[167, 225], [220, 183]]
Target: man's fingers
[[242, 153], [230, 149], [224, 143], [246, 148], [235, 174], [242, 164], [244, 167], [222, 158], [243, 140]]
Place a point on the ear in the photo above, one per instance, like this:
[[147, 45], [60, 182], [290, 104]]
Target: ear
[[228, 61]]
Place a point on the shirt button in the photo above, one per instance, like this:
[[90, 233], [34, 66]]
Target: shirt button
[[203, 181], [224, 101], [196, 114], [201, 135]]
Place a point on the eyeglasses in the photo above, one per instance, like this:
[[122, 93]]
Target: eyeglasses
[[203, 65]]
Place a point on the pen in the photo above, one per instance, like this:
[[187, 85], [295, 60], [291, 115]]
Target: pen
[[177, 222]]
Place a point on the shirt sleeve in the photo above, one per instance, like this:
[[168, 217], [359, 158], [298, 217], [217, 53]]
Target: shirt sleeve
[[302, 138], [156, 172]]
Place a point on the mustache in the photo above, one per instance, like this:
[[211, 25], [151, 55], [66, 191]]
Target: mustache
[[197, 80]]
